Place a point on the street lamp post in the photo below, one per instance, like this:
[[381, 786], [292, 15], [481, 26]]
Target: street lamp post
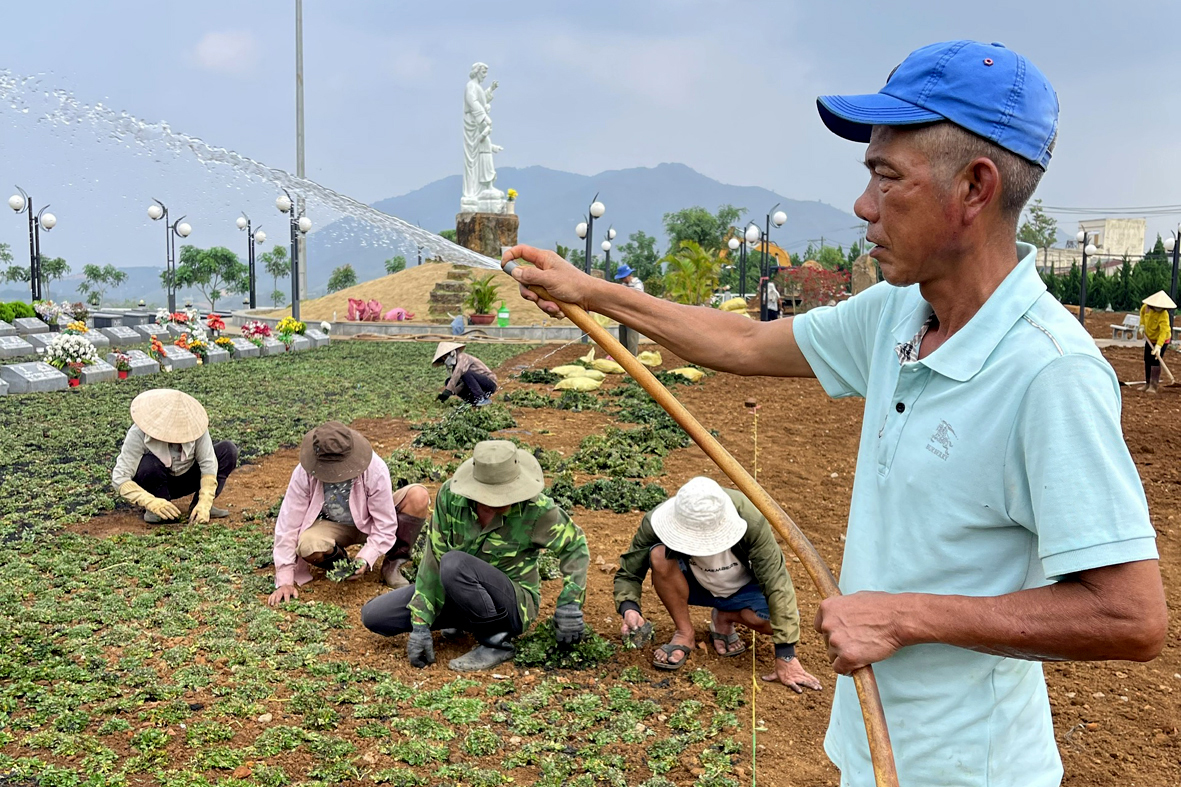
[[23, 203], [300, 225], [739, 245], [1084, 242], [252, 237], [778, 218], [177, 229], [606, 246], [1173, 246], [586, 229]]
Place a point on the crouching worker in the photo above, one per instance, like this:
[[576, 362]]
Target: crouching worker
[[168, 454], [340, 495], [470, 380], [710, 547], [478, 572]]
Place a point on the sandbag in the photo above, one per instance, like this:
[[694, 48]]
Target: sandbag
[[649, 358], [578, 384], [610, 367], [589, 357], [689, 373], [733, 305], [580, 371], [566, 371]]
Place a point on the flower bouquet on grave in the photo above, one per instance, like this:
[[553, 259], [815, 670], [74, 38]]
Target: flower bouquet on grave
[[199, 348], [76, 328], [255, 331], [215, 323], [79, 312], [182, 341], [288, 329], [157, 351], [226, 343], [68, 349], [122, 365], [49, 312]]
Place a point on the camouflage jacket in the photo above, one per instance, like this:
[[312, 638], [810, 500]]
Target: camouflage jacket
[[511, 543]]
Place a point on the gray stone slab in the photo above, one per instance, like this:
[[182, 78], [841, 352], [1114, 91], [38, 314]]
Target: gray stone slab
[[178, 358], [3, 387], [96, 338], [244, 348], [148, 330], [6, 329], [217, 355], [101, 372], [40, 340], [34, 377], [26, 326], [300, 343], [317, 337], [133, 318], [141, 363], [106, 320], [176, 331], [272, 346], [14, 347], [122, 336]]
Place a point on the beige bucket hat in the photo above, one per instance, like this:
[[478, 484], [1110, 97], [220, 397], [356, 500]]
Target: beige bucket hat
[[332, 452], [169, 416], [444, 348], [498, 474], [1159, 300], [701, 520]]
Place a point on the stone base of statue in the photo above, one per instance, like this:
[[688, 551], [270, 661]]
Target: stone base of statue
[[865, 274], [487, 233]]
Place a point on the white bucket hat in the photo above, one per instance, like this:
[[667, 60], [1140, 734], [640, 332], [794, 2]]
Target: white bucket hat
[[701, 520], [1159, 300]]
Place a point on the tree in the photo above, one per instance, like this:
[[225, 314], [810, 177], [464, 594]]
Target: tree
[[96, 281], [395, 264], [342, 278], [640, 253], [692, 274], [831, 258], [276, 265], [215, 272], [449, 235], [52, 269], [562, 251], [1038, 229], [707, 230]]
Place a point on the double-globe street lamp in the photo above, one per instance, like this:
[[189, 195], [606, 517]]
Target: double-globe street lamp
[[252, 237], [300, 225], [750, 236], [23, 203], [606, 247], [586, 229], [177, 229], [778, 218], [1173, 246], [1084, 242]]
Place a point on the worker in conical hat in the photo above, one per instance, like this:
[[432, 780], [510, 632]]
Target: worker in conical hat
[[1154, 321], [168, 454], [470, 379]]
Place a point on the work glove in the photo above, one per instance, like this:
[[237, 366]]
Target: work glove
[[444, 396], [420, 648], [568, 624], [136, 495], [1156, 351], [200, 512]]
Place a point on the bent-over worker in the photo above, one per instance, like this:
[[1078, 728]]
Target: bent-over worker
[[1154, 321], [470, 378]]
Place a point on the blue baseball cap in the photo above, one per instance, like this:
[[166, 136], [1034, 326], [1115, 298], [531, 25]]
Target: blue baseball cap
[[623, 271], [985, 88]]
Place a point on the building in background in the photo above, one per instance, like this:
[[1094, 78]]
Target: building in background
[[1113, 239]]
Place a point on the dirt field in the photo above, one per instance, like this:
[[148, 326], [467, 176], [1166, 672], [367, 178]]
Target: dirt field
[[1116, 723]]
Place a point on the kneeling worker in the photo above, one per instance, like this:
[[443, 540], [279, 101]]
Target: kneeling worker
[[479, 570], [710, 547], [339, 495], [470, 378], [168, 454]]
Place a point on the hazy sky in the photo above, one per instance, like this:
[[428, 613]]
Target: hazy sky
[[727, 88]]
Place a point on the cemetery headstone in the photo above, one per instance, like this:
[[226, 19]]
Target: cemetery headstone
[[317, 337], [96, 338], [217, 355], [133, 318], [26, 326], [148, 330], [99, 372], [122, 336], [176, 331], [178, 358], [141, 363], [3, 387], [40, 340], [14, 347], [6, 329], [105, 320], [244, 348], [299, 343], [33, 377], [272, 346]]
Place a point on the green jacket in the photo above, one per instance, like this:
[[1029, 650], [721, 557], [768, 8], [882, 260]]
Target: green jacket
[[757, 549], [511, 544]]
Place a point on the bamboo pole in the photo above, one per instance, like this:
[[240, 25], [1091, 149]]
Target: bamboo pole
[[881, 752]]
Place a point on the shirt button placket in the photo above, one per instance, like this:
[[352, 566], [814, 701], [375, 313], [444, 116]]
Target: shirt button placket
[[912, 379]]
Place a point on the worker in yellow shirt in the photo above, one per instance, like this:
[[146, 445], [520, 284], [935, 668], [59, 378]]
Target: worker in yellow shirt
[[1154, 321]]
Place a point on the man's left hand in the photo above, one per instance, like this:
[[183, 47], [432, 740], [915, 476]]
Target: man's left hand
[[568, 624], [362, 567], [793, 675], [860, 629]]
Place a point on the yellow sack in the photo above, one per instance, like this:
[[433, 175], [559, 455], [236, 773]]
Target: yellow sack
[[580, 371], [610, 367], [578, 384], [733, 305], [602, 319], [566, 371], [589, 357], [689, 373], [649, 358]]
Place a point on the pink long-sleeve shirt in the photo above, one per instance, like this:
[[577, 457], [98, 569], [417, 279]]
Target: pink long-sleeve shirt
[[371, 502]]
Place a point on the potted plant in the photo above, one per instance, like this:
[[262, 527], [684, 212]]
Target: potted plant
[[481, 295], [122, 365], [73, 372]]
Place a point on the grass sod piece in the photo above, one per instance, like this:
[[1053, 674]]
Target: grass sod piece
[[465, 426], [607, 494], [540, 648]]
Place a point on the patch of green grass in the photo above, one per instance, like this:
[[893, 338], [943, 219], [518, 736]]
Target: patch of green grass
[[539, 648]]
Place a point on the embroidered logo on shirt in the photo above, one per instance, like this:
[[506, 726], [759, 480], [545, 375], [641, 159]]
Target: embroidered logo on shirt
[[940, 443]]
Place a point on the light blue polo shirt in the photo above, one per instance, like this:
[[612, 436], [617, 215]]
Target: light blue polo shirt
[[997, 463]]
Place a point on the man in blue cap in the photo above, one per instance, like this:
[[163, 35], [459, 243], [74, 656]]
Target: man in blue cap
[[625, 275], [997, 518]]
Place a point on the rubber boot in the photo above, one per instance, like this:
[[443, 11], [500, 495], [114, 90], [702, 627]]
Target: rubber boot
[[391, 573], [332, 559], [496, 647], [1153, 381]]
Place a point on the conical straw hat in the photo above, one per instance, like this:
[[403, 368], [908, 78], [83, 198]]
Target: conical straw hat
[[444, 348], [169, 416], [1159, 300]]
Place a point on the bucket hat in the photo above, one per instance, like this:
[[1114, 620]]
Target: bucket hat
[[498, 474], [623, 271], [701, 520], [1159, 300], [444, 349], [332, 452], [169, 416]]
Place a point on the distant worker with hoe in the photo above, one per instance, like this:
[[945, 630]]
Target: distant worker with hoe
[[1154, 321], [340, 495], [478, 571], [168, 454], [626, 276], [470, 378], [710, 547], [973, 550]]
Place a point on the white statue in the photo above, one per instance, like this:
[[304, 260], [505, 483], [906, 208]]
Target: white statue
[[479, 173]]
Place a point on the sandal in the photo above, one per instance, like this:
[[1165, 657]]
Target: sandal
[[728, 640], [669, 649]]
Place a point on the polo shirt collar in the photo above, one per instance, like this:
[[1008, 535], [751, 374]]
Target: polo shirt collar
[[965, 353]]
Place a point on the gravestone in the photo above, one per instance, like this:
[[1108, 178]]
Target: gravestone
[[299, 343], [272, 346], [217, 355], [317, 337], [3, 388], [26, 326], [141, 363], [96, 338], [131, 319], [98, 372], [244, 348], [176, 331], [34, 377], [6, 329], [178, 358], [122, 336], [40, 341], [105, 320], [14, 347], [865, 274], [148, 330]]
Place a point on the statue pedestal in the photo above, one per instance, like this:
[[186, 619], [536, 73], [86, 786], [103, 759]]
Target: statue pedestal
[[487, 233]]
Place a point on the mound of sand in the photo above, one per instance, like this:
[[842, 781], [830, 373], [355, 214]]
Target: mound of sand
[[411, 289]]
